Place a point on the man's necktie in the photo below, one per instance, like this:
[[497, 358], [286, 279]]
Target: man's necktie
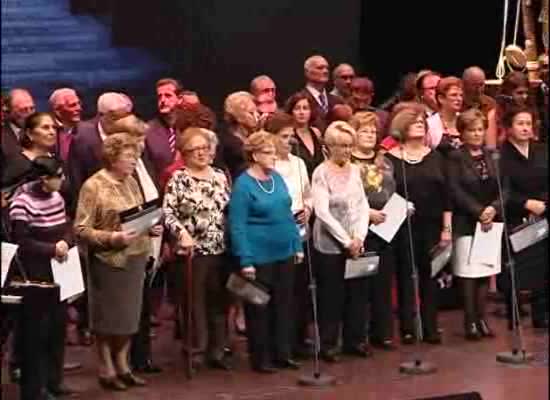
[[172, 140], [323, 102]]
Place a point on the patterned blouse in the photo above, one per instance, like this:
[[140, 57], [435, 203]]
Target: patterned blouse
[[198, 206]]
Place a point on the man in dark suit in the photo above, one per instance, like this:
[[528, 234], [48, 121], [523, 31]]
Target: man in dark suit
[[160, 140], [316, 70], [67, 108], [84, 160], [19, 105]]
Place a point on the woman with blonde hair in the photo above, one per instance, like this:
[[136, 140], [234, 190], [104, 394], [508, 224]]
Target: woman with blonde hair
[[379, 184], [339, 232], [241, 119], [266, 242], [431, 223]]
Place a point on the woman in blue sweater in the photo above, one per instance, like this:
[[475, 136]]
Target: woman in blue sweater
[[265, 239]]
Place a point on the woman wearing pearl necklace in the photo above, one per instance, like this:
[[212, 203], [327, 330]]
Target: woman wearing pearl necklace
[[266, 242]]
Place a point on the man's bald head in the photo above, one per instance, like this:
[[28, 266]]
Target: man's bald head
[[473, 81], [316, 70], [20, 105]]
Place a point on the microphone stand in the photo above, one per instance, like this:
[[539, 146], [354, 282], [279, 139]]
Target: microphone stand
[[417, 366], [518, 355], [317, 379]]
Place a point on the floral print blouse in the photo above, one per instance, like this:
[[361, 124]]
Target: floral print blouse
[[198, 206]]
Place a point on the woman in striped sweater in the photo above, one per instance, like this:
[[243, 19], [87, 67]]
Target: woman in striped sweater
[[39, 226]]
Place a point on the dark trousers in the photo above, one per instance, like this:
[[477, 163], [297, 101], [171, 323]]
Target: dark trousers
[[425, 235], [340, 301], [81, 305], [208, 306], [140, 350], [269, 328], [43, 338], [380, 290]]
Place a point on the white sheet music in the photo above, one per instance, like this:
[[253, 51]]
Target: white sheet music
[[396, 212], [8, 252], [68, 275], [486, 245], [143, 223]]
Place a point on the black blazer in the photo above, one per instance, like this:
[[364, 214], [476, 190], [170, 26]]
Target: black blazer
[[10, 142], [528, 178], [470, 194]]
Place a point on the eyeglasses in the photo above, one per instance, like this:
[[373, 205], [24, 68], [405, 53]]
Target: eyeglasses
[[197, 149], [347, 77]]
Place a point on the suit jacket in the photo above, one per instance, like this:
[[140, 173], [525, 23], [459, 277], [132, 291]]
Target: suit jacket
[[10, 142], [158, 146], [84, 157], [471, 194], [320, 121], [528, 178]]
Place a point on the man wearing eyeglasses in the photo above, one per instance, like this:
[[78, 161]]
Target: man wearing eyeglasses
[[342, 76]]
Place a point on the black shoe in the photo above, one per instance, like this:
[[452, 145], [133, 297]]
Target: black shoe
[[130, 379], [540, 324], [361, 350], [408, 339], [485, 329], [287, 364], [265, 369], [330, 356], [227, 351], [433, 338], [222, 364], [147, 368], [112, 383], [385, 344], [472, 333], [63, 391]]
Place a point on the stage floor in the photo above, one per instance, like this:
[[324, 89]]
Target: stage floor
[[462, 367]]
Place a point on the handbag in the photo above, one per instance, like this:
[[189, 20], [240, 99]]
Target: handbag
[[247, 290], [528, 234], [440, 257], [362, 266]]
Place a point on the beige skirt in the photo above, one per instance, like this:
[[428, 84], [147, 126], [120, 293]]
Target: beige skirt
[[461, 261]]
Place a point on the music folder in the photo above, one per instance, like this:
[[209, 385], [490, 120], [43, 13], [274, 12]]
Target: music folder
[[440, 257], [143, 217], [362, 266], [250, 291], [528, 234]]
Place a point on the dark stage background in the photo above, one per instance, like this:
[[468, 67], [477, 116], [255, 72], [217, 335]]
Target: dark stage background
[[218, 46]]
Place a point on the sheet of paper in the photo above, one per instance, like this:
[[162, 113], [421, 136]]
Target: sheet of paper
[[396, 212], [8, 252], [486, 245], [143, 223], [68, 275]]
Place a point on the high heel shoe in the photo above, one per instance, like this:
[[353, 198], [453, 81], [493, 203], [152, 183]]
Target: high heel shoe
[[112, 383], [130, 379], [485, 329], [472, 333]]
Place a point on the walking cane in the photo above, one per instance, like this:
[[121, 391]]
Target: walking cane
[[188, 330]]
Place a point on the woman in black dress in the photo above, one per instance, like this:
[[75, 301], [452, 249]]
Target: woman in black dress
[[473, 184], [308, 138], [431, 222], [525, 164]]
